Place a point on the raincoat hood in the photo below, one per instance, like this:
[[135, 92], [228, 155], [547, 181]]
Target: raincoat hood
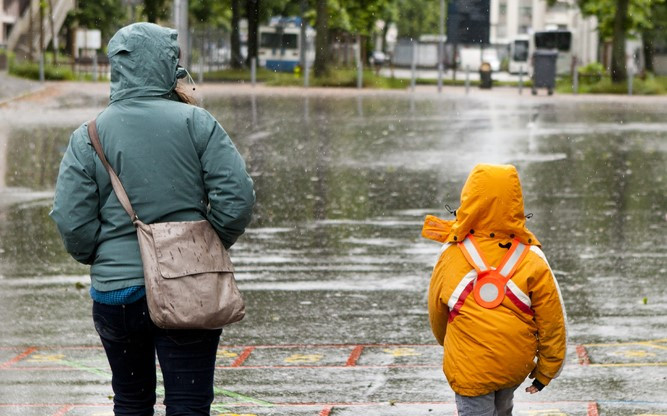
[[491, 206], [144, 61]]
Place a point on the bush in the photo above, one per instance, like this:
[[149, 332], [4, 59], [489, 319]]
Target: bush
[[591, 73], [31, 70], [649, 86]]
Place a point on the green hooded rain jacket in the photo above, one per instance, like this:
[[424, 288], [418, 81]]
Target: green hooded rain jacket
[[174, 160]]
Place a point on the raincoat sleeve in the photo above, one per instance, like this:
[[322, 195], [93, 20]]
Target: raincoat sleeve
[[550, 320], [76, 201], [438, 312], [228, 185]]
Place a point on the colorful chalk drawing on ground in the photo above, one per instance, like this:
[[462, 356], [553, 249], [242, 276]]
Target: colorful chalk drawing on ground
[[624, 354]]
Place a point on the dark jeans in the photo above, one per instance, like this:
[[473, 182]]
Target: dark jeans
[[187, 361]]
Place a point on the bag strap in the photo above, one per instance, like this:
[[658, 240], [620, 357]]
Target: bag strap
[[115, 181]]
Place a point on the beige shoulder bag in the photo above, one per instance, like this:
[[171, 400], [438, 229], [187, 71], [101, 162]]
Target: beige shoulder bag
[[188, 273]]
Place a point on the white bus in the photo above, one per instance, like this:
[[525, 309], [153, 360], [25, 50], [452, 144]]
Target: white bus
[[519, 56], [560, 40], [280, 44]]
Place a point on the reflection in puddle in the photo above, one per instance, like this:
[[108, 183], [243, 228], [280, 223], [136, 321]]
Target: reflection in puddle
[[343, 184]]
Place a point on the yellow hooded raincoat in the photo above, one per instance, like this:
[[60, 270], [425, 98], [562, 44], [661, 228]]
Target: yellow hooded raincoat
[[490, 349]]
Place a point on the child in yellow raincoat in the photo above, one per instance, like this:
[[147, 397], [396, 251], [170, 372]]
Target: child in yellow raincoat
[[494, 303]]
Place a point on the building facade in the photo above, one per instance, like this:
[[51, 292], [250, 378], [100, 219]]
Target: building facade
[[10, 10]]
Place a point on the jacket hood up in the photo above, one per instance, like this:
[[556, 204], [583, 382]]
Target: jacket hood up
[[144, 61], [491, 206]]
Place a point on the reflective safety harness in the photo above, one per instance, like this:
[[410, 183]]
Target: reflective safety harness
[[491, 284]]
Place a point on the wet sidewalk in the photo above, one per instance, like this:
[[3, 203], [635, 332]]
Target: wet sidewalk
[[333, 269], [12, 87]]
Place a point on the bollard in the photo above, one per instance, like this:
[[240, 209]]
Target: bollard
[[631, 75], [413, 68], [467, 79], [306, 68], [41, 67], [575, 81], [95, 66], [253, 107], [440, 77], [360, 65], [520, 80], [253, 71], [200, 76]]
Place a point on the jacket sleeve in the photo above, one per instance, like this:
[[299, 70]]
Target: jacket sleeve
[[438, 312], [551, 323], [76, 201], [228, 185]]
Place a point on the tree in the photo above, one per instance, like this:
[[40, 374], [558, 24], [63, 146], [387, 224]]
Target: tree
[[656, 33], [619, 71], [213, 13], [417, 17], [618, 19], [322, 54], [156, 9], [236, 59], [105, 15], [252, 13]]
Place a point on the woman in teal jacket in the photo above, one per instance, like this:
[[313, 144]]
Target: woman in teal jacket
[[176, 164]]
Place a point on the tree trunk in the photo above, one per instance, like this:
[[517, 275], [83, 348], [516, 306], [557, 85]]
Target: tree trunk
[[31, 34], [252, 12], [619, 71], [321, 66], [54, 38], [236, 58], [649, 50], [151, 9], [41, 30]]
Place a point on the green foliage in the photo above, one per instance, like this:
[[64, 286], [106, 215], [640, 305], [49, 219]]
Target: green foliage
[[105, 15], [362, 15], [345, 77], [210, 12], [156, 9], [30, 70], [417, 17], [639, 14], [649, 85], [591, 73]]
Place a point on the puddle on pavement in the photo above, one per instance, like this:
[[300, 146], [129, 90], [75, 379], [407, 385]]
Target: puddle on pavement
[[343, 184]]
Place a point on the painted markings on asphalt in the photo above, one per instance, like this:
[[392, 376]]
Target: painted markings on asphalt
[[647, 353], [543, 412], [624, 354], [18, 358], [386, 408], [303, 358], [402, 352], [592, 409]]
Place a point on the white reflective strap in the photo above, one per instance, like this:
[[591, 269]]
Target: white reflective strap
[[514, 258], [465, 281], [523, 298], [474, 254], [445, 247]]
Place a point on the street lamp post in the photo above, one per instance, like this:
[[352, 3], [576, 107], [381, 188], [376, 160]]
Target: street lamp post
[[441, 49], [180, 15]]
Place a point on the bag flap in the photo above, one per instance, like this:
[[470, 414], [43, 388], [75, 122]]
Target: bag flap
[[189, 247]]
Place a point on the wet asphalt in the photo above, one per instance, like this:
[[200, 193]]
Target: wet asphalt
[[333, 269]]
